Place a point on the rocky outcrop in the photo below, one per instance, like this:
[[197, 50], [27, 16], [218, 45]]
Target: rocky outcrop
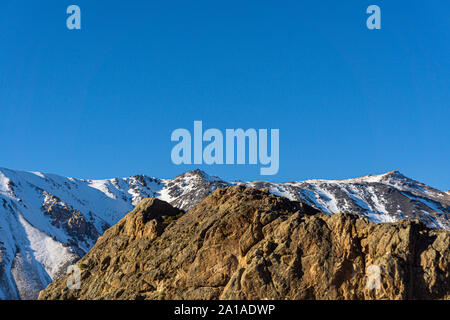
[[243, 243], [71, 220], [72, 213]]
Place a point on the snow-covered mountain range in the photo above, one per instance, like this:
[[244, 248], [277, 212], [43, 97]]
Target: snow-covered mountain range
[[47, 222]]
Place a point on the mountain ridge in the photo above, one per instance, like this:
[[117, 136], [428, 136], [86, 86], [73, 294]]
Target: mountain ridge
[[48, 221], [245, 243]]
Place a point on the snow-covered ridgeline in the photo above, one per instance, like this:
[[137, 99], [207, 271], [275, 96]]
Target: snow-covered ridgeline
[[48, 221]]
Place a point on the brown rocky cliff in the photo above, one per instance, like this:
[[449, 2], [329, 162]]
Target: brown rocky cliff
[[244, 243]]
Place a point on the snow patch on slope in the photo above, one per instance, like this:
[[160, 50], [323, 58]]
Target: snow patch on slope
[[51, 254]]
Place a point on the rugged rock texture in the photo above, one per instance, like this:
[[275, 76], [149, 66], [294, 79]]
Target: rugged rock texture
[[242, 243], [48, 221], [69, 219]]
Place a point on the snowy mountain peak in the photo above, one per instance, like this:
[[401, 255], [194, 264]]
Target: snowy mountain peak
[[372, 178], [199, 174], [395, 176], [394, 173]]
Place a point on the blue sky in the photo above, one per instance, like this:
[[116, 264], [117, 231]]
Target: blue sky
[[102, 102]]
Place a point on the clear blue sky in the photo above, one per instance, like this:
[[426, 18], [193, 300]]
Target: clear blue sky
[[103, 101]]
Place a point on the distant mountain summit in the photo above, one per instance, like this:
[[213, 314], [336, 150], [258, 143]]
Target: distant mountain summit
[[47, 222], [387, 197]]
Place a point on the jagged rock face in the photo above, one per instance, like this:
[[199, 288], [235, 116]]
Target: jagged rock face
[[147, 221], [71, 220], [242, 243]]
